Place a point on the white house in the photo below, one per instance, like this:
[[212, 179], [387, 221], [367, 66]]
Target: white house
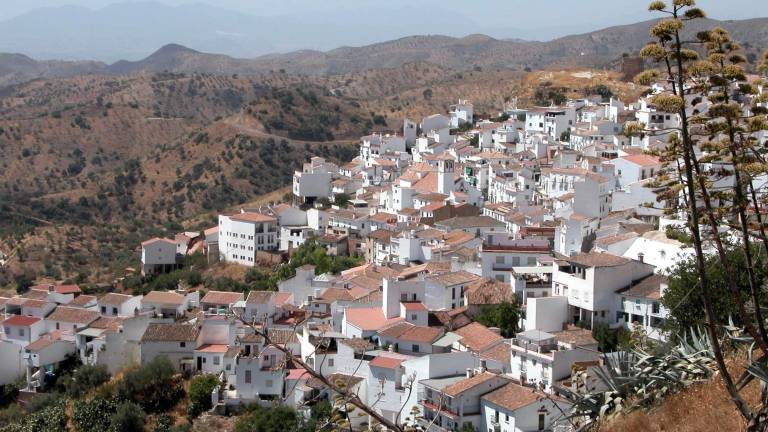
[[158, 255], [114, 304], [516, 408], [590, 281], [177, 342], [541, 358], [636, 167]]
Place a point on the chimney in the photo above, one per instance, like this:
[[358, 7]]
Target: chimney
[[469, 373], [391, 348], [641, 257], [50, 288]]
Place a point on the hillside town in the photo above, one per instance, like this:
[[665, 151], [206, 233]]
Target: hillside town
[[554, 210]]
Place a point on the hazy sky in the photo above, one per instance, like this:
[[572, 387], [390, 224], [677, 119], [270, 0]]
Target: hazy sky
[[110, 30], [514, 13]]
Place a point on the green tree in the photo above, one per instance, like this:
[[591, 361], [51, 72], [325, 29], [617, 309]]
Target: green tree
[[200, 393], [341, 200], [23, 283], [505, 316], [683, 297]]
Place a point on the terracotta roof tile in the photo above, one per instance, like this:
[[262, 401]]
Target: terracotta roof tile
[[477, 337], [161, 332], [73, 315], [460, 387], [21, 321], [512, 396], [386, 362], [221, 297], [163, 297], [114, 299]]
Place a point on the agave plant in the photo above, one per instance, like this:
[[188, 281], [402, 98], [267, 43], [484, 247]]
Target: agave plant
[[639, 379]]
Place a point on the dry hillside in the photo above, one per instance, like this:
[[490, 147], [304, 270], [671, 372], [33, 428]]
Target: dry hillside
[[93, 164]]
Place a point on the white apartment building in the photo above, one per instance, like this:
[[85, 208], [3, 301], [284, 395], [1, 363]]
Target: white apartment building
[[590, 281], [242, 235]]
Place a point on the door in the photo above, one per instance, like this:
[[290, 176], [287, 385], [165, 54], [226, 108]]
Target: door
[[199, 363]]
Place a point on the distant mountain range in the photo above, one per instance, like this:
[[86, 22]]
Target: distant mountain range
[[595, 49]]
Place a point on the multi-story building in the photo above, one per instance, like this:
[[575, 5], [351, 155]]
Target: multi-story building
[[242, 235]]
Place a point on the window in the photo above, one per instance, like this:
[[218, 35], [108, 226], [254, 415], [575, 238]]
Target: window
[[21, 332], [103, 309], [414, 317], [229, 367], [453, 293], [247, 377], [8, 330], [330, 362], [57, 326], [414, 348], [182, 344], [541, 421], [216, 360], [499, 260], [114, 311], [500, 277]]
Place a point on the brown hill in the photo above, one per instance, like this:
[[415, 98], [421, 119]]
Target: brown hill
[[119, 159], [593, 50]]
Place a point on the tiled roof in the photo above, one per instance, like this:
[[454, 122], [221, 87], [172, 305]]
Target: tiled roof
[[222, 297], [114, 299], [368, 319], [575, 336], [260, 297], [161, 332], [157, 239], [385, 362], [455, 278], [212, 348], [470, 222], [358, 344], [487, 291], [596, 259], [21, 320], [82, 300], [460, 387], [411, 333], [500, 353], [60, 289], [163, 297], [282, 336], [107, 323], [477, 337], [643, 160], [648, 287], [512, 396], [73, 315], [251, 217]]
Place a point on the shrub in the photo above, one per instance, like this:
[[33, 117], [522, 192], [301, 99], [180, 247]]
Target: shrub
[[200, 393], [277, 419], [84, 379], [93, 416], [164, 423], [153, 386], [128, 417]]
